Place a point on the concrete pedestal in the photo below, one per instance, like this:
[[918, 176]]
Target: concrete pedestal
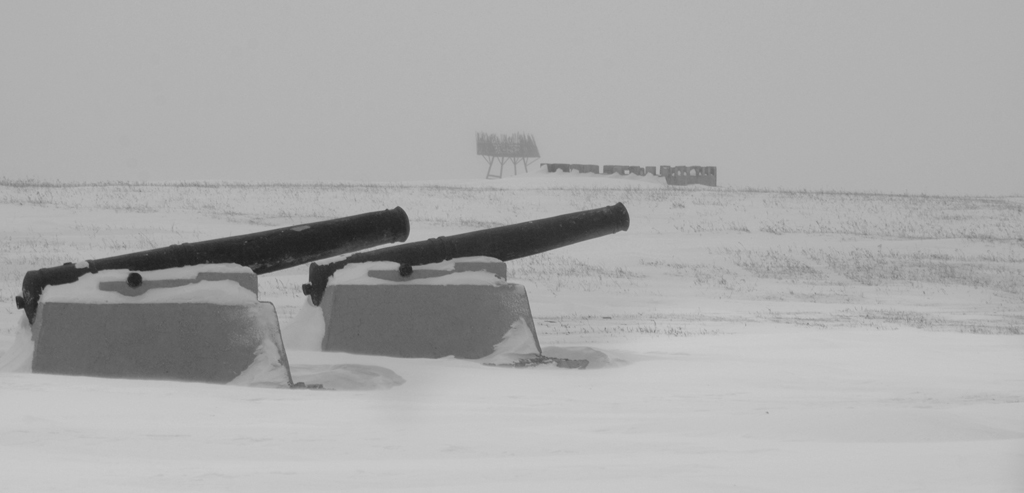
[[171, 339], [425, 316]]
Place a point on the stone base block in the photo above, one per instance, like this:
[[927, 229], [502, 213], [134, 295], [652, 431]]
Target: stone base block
[[428, 320], [163, 325], [167, 341]]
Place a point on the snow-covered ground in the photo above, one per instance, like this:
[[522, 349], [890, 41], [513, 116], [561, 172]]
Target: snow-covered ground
[[741, 340]]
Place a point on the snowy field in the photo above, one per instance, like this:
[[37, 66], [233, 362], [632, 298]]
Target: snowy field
[[741, 340]]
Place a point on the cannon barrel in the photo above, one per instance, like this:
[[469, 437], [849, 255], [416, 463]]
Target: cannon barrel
[[503, 243], [263, 252]]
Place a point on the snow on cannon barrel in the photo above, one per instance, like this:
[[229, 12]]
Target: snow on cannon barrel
[[456, 302], [184, 312]]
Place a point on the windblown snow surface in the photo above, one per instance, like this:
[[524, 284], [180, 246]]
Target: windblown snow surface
[[739, 340]]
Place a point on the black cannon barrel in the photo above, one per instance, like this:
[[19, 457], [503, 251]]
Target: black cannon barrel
[[263, 252], [503, 243]]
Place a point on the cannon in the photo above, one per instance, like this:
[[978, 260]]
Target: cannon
[[503, 243], [187, 311], [420, 314], [262, 252]]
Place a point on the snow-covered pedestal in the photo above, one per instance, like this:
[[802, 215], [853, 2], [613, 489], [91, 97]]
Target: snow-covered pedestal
[[200, 323], [462, 308]]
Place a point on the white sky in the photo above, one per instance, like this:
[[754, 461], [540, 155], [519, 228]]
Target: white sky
[[918, 96]]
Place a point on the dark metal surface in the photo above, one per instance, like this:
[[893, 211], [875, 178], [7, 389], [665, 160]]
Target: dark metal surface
[[503, 243], [262, 252]]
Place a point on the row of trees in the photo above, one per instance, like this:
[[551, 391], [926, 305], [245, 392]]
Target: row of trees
[[510, 146]]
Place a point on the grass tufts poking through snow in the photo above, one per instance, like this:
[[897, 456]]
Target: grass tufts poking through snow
[[746, 340]]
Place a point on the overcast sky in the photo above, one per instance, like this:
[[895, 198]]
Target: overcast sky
[[916, 96]]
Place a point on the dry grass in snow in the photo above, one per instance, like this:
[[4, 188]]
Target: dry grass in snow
[[753, 340]]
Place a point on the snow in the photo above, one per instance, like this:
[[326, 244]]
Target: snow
[[307, 329], [359, 274], [266, 369], [18, 357], [738, 341], [518, 343], [738, 414], [223, 292]]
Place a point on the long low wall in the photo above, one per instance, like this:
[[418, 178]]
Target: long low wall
[[674, 175], [582, 168], [691, 175]]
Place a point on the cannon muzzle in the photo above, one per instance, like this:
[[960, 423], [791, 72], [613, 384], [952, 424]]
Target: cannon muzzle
[[503, 243], [262, 252]]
